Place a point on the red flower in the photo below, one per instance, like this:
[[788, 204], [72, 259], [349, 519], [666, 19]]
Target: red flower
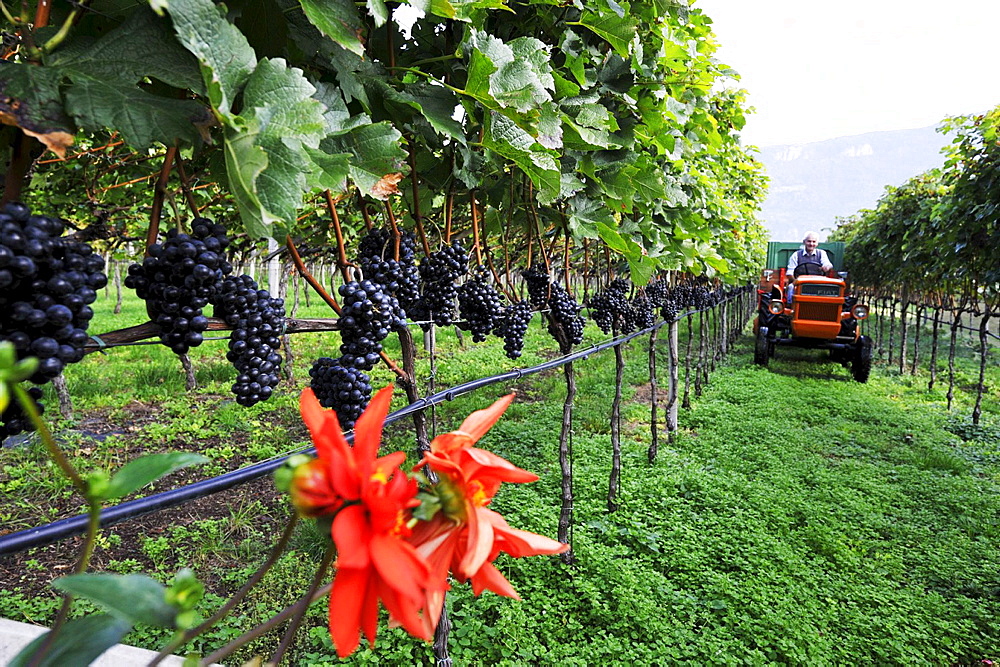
[[466, 537], [371, 498]]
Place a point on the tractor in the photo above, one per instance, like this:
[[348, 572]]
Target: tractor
[[810, 310]]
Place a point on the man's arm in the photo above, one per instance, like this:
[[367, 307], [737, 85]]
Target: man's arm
[[825, 261]]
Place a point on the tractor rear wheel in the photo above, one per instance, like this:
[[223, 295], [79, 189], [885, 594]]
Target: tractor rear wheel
[[762, 347], [861, 367]]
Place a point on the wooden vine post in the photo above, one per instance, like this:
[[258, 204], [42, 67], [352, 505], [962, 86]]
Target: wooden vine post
[[984, 350], [935, 328], [653, 390], [673, 385], [616, 424]]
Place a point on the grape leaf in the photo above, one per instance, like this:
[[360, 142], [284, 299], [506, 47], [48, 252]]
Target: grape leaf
[[375, 151], [618, 31], [338, 20], [147, 469], [225, 56], [134, 598], [504, 137], [142, 118], [278, 101], [245, 161], [78, 643], [144, 45]]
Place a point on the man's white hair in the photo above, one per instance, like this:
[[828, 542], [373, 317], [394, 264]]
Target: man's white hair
[[808, 234]]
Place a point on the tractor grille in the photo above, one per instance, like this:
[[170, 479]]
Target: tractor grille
[[820, 312]]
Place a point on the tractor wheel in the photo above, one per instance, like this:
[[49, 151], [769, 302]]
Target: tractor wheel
[[862, 365], [762, 347]]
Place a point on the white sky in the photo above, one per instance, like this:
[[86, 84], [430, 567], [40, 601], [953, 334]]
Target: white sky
[[818, 70]]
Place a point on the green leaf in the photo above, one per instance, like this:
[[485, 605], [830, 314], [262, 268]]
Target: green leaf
[[223, 52], [245, 161], [376, 156], [331, 172], [78, 644], [587, 216], [142, 118], [338, 20], [615, 30], [378, 11], [278, 99], [134, 598], [143, 46], [504, 137], [147, 469]]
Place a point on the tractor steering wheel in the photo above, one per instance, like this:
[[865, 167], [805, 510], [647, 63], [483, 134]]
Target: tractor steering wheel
[[809, 269]]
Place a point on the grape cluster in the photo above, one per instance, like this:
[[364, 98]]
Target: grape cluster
[[344, 388], [179, 278], [257, 320], [438, 273], [512, 325], [537, 280], [366, 317], [398, 278], [566, 312], [658, 292], [47, 284], [479, 306], [643, 314], [610, 308], [14, 420]]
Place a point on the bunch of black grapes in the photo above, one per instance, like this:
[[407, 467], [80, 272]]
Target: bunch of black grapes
[[47, 284], [643, 312], [610, 308], [398, 278], [438, 273], [566, 312], [342, 387], [512, 325], [257, 320], [537, 280], [479, 306], [367, 316], [179, 278]]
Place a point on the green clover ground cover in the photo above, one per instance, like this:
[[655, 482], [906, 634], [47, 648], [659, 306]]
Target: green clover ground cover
[[797, 518]]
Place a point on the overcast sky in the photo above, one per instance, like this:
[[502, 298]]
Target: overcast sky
[[819, 70]]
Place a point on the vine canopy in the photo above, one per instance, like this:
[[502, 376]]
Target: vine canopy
[[601, 119]]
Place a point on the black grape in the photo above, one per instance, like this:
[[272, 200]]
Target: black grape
[[512, 325], [179, 278], [342, 387], [367, 315], [479, 306], [438, 273], [47, 284], [257, 320]]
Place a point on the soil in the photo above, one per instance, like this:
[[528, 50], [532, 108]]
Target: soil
[[31, 572]]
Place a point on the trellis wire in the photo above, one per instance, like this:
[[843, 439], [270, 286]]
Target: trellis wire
[[71, 526]]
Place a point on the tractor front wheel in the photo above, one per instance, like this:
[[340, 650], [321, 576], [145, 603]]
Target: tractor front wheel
[[861, 367], [762, 347]]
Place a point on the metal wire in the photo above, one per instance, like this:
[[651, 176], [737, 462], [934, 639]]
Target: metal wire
[[64, 528]]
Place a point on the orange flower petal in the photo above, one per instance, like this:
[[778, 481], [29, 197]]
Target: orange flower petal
[[352, 536], [520, 543], [488, 577], [399, 565], [479, 422], [478, 544], [449, 443], [347, 602], [368, 428], [323, 425], [499, 467]]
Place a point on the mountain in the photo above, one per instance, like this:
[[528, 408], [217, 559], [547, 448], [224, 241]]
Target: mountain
[[813, 184]]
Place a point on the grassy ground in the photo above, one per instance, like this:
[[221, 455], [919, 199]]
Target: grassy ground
[[796, 518]]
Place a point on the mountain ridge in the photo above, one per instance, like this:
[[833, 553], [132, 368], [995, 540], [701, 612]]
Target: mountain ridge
[[812, 184]]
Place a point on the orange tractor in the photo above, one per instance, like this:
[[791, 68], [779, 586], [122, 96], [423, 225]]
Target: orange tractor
[[810, 310]]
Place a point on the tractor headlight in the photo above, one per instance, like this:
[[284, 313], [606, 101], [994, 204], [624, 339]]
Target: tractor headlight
[[859, 312], [776, 307]]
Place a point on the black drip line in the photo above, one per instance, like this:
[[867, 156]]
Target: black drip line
[[31, 538]]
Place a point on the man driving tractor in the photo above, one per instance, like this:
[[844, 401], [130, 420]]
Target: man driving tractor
[[809, 253]]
